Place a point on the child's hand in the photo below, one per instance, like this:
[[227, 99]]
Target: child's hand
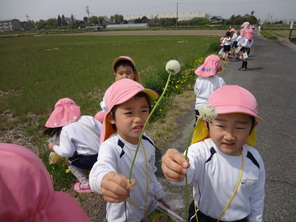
[[50, 146], [116, 188], [174, 165]]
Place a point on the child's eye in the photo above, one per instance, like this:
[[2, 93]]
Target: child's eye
[[128, 113], [220, 126]]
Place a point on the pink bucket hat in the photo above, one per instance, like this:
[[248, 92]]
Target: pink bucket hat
[[245, 24], [65, 112], [234, 99], [250, 34], [137, 78], [243, 31], [233, 30], [210, 67], [118, 93], [230, 99], [26, 190]]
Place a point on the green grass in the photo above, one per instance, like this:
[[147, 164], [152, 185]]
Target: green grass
[[278, 31], [36, 71]]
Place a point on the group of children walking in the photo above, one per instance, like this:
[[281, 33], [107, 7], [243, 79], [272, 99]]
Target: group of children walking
[[238, 45], [226, 172]]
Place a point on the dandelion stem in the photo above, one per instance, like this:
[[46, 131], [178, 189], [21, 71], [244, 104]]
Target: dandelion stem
[[143, 130]]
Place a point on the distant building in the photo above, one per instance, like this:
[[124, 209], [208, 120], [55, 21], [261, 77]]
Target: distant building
[[10, 25], [121, 26], [216, 19], [94, 27], [181, 16]]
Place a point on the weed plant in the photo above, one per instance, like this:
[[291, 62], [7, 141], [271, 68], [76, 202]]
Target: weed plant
[[38, 70]]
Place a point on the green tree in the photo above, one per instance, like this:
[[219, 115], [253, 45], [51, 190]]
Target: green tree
[[64, 21], [238, 20], [117, 19], [155, 21], [144, 19], [138, 20], [51, 23], [72, 18], [101, 20], [94, 20], [59, 20], [41, 24], [85, 19], [28, 25]]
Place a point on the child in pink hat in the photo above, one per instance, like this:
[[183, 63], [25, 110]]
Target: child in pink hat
[[124, 68], [75, 137], [207, 81], [26, 190], [233, 41], [227, 173], [245, 41], [128, 107]]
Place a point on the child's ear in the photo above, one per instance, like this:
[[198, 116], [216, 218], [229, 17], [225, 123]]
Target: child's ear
[[110, 118], [255, 124]]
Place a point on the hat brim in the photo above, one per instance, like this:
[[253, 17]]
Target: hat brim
[[240, 109]]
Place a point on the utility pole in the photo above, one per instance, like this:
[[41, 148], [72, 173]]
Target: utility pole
[[177, 16], [87, 11]]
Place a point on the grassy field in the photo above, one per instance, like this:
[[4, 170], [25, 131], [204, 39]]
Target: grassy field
[[36, 71], [279, 32]]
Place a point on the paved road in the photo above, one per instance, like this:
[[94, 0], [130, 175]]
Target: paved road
[[271, 77]]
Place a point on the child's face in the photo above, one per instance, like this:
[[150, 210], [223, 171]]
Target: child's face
[[124, 72], [230, 132], [130, 118]]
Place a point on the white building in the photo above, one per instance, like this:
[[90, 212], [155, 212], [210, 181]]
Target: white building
[[181, 16], [10, 25]]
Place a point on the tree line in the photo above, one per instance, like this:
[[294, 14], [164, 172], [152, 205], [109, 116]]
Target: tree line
[[61, 22]]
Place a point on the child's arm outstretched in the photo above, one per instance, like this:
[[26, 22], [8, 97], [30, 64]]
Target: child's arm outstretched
[[115, 187], [174, 165]]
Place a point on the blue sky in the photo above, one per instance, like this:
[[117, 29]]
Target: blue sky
[[45, 9]]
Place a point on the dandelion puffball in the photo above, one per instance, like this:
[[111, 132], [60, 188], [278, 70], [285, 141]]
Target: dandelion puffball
[[173, 67]]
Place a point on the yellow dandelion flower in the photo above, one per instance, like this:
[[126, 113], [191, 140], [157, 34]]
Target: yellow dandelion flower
[[68, 170]]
